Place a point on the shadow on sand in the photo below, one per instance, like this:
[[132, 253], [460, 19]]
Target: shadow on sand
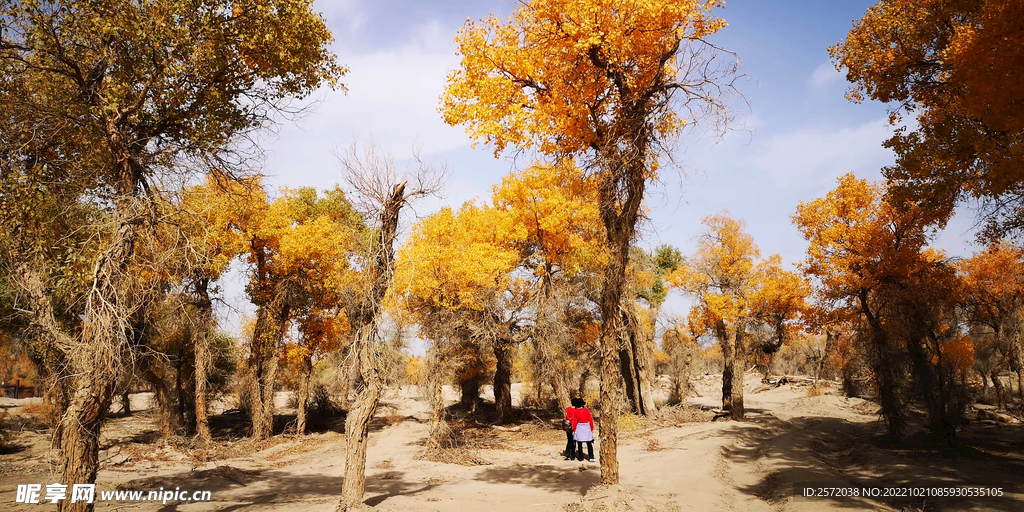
[[831, 452]]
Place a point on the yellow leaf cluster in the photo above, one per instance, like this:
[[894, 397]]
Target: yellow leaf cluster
[[458, 260], [556, 207], [731, 284], [552, 75], [858, 240], [957, 65]]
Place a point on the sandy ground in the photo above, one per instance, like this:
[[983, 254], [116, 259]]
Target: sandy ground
[[789, 441]]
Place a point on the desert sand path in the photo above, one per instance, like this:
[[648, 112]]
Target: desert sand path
[[788, 439]]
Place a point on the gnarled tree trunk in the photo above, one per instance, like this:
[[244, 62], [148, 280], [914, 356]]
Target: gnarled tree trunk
[[728, 363], [203, 332], [169, 415], [739, 368], [307, 372], [97, 355], [357, 426], [264, 355], [366, 315], [636, 360], [888, 372], [503, 383], [80, 437]]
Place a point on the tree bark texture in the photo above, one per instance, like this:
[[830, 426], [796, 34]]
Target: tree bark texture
[[503, 383], [888, 371], [366, 315], [621, 192], [739, 368], [728, 362], [99, 355], [169, 417], [185, 386], [349, 376], [79, 440], [469, 386], [126, 404], [203, 365], [357, 427], [438, 435], [307, 372], [636, 359], [265, 353], [202, 334]]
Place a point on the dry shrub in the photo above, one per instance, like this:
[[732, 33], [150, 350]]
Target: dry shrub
[[44, 413], [678, 415], [302, 445], [652, 445], [384, 464], [532, 401], [456, 455], [629, 422], [814, 390], [393, 419]]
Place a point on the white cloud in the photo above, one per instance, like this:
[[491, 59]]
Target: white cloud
[[344, 17], [816, 155], [392, 97], [823, 75]]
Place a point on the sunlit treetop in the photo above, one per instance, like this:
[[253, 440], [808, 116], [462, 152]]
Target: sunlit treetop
[[719, 274], [858, 241], [554, 204], [566, 76], [143, 84], [457, 260], [993, 283], [959, 67]]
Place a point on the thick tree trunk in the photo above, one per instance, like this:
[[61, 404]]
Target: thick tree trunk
[[79, 438], [1020, 387], [888, 373], [643, 358], [636, 359], [582, 391], [830, 341], [202, 333], [202, 367], [727, 343], [469, 385], [262, 399], [997, 383], [561, 392], [126, 404], [307, 372], [739, 371], [349, 376], [628, 371], [169, 417], [184, 386], [503, 383], [265, 353], [357, 425], [434, 382], [366, 315], [611, 374]]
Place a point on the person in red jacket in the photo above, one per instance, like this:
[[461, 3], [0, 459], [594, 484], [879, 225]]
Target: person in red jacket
[[570, 443], [583, 431]]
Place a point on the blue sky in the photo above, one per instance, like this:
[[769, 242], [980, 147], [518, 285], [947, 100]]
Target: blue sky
[[801, 131]]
